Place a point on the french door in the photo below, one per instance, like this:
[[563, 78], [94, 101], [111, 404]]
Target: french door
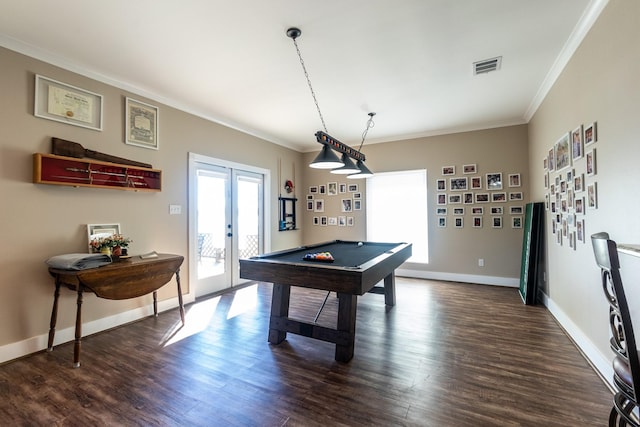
[[227, 218]]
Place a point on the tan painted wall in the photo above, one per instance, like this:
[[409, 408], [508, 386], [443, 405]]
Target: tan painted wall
[[600, 83], [39, 221], [451, 250]]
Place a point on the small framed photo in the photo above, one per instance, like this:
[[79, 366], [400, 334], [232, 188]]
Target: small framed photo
[[352, 188], [592, 196], [545, 163], [313, 190], [516, 210], [322, 189], [323, 221], [578, 183], [579, 205], [469, 169], [442, 221], [580, 231], [357, 195], [551, 155], [318, 205], [309, 196], [455, 199], [316, 220], [458, 211], [309, 205], [342, 188], [448, 170], [477, 210], [97, 231], [513, 197], [577, 149], [494, 181], [482, 197], [347, 205], [476, 183], [499, 197], [458, 184], [562, 150], [496, 222], [516, 222], [514, 180], [591, 162], [441, 185], [357, 204], [342, 221], [458, 222], [68, 104], [477, 221], [141, 124], [332, 188], [442, 199], [497, 210], [350, 221], [467, 198], [441, 211], [590, 134]]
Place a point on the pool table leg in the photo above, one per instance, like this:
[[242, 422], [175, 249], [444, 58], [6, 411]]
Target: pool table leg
[[347, 306], [390, 290], [279, 309]]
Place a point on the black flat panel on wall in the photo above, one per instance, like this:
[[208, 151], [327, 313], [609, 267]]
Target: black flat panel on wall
[[531, 252]]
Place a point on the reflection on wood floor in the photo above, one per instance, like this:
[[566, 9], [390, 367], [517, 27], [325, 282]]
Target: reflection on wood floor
[[448, 354]]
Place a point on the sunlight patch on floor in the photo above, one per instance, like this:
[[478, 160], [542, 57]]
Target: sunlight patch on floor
[[244, 300], [197, 319]]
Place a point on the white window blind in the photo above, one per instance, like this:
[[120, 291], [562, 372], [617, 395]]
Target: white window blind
[[396, 207]]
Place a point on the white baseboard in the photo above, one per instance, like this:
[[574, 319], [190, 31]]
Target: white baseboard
[[34, 344], [512, 282], [599, 362]]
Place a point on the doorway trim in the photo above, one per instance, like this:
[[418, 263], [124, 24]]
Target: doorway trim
[[192, 198]]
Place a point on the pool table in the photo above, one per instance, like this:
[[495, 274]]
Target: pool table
[[356, 268]]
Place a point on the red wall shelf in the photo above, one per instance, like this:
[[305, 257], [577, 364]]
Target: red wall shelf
[[70, 171]]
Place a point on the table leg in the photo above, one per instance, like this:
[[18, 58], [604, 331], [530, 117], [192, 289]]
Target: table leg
[[347, 307], [76, 346], [180, 296], [279, 309], [155, 303], [54, 317], [390, 290]]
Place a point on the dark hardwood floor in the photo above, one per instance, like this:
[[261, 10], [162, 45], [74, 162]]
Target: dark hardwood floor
[[448, 354]]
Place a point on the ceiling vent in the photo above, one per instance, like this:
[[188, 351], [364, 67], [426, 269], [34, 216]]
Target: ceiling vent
[[487, 65]]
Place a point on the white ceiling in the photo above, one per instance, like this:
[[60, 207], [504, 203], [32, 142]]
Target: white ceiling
[[410, 61]]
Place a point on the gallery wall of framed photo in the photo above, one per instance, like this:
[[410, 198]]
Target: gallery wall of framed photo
[[492, 199], [334, 203], [570, 183]]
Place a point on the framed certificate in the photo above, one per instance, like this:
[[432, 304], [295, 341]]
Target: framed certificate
[[67, 104], [141, 124]]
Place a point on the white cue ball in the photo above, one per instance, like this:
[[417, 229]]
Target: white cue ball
[[359, 243]]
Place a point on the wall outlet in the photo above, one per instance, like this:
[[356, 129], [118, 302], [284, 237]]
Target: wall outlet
[[480, 262], [175, 209]]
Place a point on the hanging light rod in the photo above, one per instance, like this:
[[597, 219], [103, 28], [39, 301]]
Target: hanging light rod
[[325, 138], [327, 159]]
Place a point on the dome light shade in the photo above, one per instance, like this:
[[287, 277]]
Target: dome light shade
[[348, 168], [327, 159]]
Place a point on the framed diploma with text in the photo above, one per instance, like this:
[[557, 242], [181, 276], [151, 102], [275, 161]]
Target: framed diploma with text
[[67, 104], [141, 124]]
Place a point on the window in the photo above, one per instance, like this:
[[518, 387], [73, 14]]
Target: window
[[397, 210]]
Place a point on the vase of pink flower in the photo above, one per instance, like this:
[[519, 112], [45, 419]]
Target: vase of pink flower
[[112, 245]]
